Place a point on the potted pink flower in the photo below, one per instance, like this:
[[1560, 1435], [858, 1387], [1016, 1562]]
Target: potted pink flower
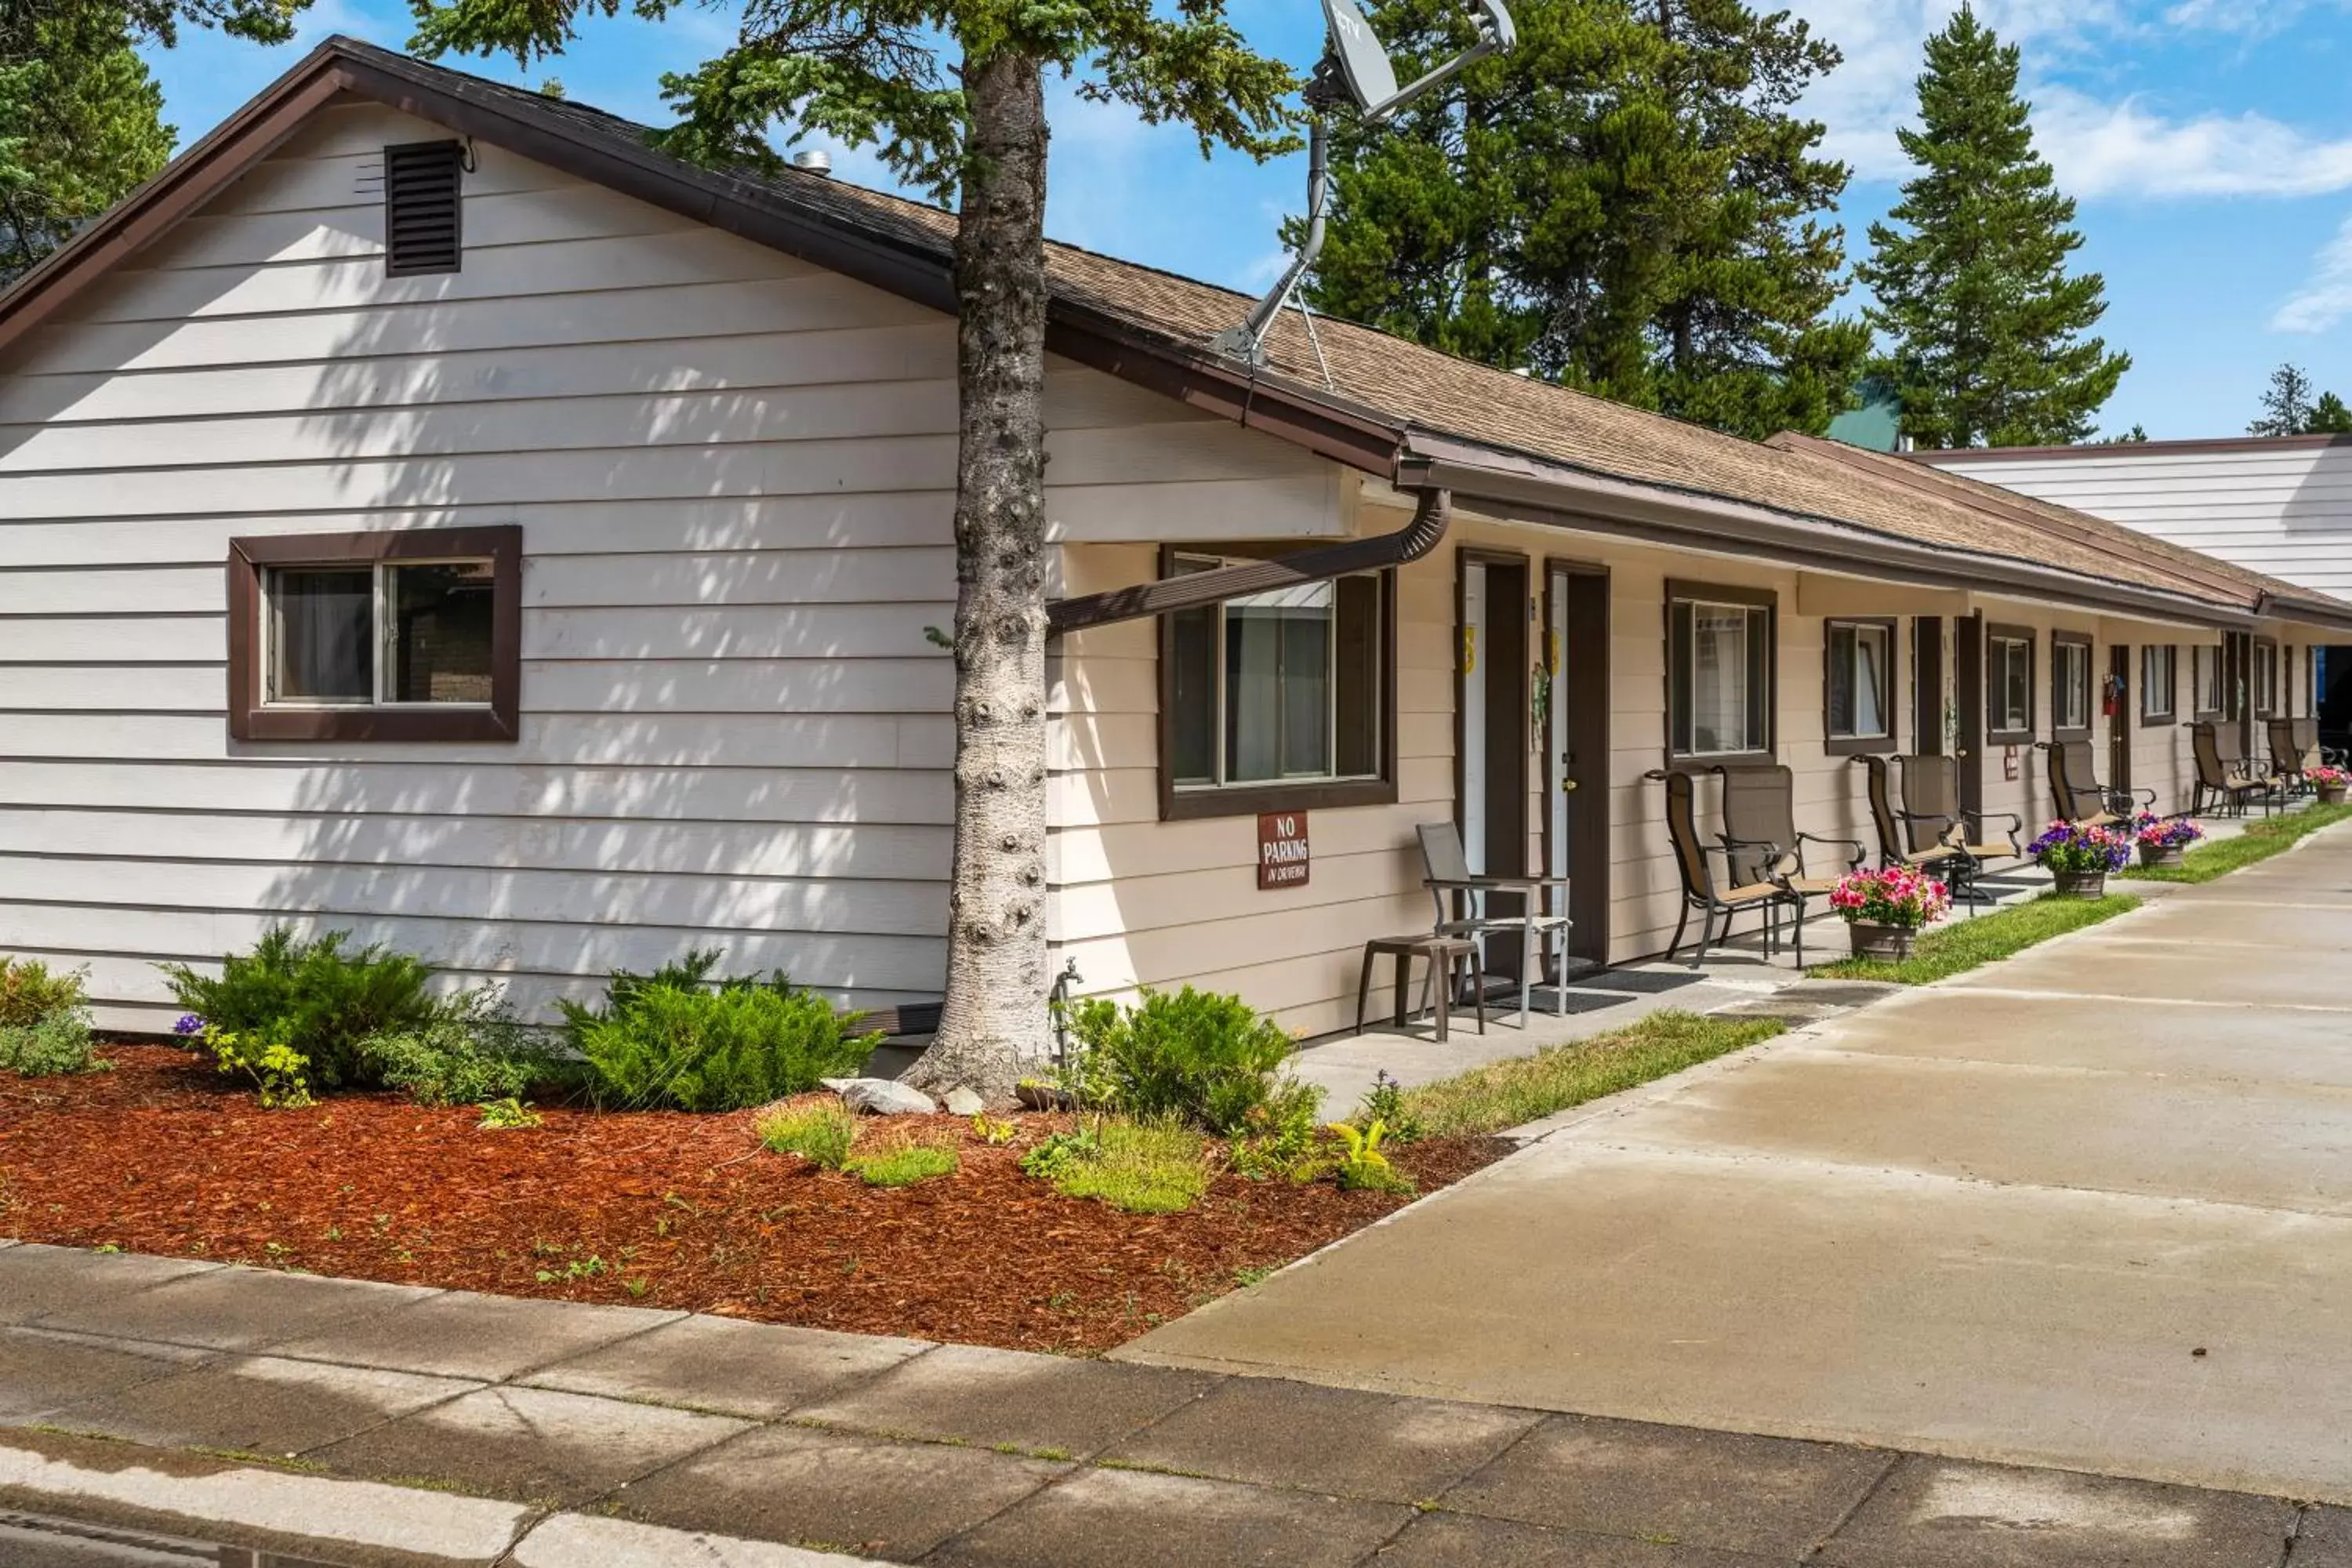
[[2330, 781], [2163, 840], [1884, 910], [2079, 855]]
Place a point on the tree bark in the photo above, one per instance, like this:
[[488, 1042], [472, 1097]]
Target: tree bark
[[994, 1017]]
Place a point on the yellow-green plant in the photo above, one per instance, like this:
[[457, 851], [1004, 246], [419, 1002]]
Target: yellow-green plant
[[507, 1114], [281, 1074], [821, 1133], [992, 1132], [1363, 1168], [904, 1165]]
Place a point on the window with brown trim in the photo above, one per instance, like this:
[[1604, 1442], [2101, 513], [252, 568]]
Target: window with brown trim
[[2205, 680], [2265, 677], [1280, 700], [1858, 685], [2159, 683], [1721, 647], [408, 636], [2009, 684], [2070, 685]]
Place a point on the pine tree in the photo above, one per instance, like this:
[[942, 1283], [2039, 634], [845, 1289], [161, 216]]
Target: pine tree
[[1985, 326], [2329, 417], [81, 126], [1624, 202], [953, 91], [2287, 406]]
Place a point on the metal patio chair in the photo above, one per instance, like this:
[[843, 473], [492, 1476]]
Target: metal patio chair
[[1941, 857], [1931, 815], [1724, 899], [1760, 835], [2076, 792], [2223, 777], [1462, 899]]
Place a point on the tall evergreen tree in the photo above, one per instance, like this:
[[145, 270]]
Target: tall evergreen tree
[[1986, 328], [953, 92], [2290, 407], [81, 124], [1624, 202]]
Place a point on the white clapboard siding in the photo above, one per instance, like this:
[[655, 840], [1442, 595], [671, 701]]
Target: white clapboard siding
[[2284, 509], [734, 473]]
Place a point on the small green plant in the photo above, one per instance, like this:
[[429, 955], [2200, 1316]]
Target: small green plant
[[319, 999], [44, 1020], [1208, 1058], [1363, 1168], [1140, 1167], [1277, 1139], [992, 1132], [821, 1134], [903, 1165], [279, 1073], [508, 1113], [1384, 1105], [680, 1038], [472, 1051], [577, 1268], [1059, 1152]]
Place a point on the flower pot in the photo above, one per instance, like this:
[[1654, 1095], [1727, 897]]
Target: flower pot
[[2331, 794], [2081, 884], [2156, 857], [1872, 940]]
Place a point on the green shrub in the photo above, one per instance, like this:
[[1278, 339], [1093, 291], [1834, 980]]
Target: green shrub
[[315, 999], [1277, 1138], [1209, 1059], [474, 1051], [278, 1071], [903, 1165], [1140, 1167], [668, 1040], [30, 993], [60, 1043], [819, 1133], [44, 1020]]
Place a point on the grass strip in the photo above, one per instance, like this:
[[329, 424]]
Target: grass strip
[[1524, 1088], [1982, 939], [1142, 1167], [2262, 839]]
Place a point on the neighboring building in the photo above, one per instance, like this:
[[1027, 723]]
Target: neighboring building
[[548, 587], [2274, 504]]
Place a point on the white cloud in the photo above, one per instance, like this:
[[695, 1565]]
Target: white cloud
[[2326, 297], [2253, 18], [2126, 148]]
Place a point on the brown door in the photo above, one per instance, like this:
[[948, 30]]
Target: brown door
[[1572, 673], [2119, 723], [1967, 701]]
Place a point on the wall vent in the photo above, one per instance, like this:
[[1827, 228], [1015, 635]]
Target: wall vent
[[421, 228]]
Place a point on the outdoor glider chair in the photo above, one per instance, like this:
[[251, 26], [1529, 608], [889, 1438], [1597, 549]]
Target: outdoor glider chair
[[2080, 797], [1463, 898], [1768, 896], [2222, 778], [1931, 815]]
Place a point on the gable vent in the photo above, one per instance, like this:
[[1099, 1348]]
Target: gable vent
[[420, 208]]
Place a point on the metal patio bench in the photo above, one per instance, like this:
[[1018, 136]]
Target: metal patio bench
[[1462, 897], [1768, 895]]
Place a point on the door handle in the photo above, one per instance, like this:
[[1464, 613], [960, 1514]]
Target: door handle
[[1566, 784]]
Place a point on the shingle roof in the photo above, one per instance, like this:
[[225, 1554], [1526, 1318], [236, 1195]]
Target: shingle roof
[[1406, 388]]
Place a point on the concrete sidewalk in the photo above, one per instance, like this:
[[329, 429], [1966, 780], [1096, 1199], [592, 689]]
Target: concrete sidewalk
[[2091, 1207], [555, 1435]]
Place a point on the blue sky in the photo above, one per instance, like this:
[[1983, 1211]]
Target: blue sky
[[2209, 141]]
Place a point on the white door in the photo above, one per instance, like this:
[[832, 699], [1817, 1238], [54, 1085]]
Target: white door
[[1472, 657]]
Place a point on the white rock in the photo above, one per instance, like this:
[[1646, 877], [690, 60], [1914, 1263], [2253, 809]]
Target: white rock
[[880, 1096], [962, 1101]]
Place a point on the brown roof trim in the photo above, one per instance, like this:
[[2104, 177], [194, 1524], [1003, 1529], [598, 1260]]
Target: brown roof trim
[[1943, 456], [2206, 573]]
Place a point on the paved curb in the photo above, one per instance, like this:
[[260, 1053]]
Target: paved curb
[[356, 1521]]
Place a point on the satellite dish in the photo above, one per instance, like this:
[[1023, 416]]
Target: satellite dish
[[1363, 64], [1354, 68]]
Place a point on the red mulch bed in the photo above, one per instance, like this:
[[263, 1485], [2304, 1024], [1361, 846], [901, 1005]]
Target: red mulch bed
[[162, 1155]]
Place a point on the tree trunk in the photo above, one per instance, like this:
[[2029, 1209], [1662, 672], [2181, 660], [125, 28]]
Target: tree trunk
[[994, 1017]]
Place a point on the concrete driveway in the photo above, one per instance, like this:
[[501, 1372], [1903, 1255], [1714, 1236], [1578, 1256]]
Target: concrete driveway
[[2089, 1208]]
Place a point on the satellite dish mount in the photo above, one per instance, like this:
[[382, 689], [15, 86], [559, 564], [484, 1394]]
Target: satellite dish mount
[[1354, 69]]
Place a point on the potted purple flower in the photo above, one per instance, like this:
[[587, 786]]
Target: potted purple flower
[[2078, 856], [2163, 840], [2330, 782], [1885, 910]]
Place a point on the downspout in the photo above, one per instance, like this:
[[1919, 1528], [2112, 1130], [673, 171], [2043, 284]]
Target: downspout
[[1197, 589]]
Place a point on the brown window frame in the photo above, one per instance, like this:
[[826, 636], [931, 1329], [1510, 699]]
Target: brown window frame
[[2170, 713], [1835, 744], [250, 718], [2218, 654], [1683, 590], [2264, 703], [1995, 633], [2089, 646], [1196, 803]]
